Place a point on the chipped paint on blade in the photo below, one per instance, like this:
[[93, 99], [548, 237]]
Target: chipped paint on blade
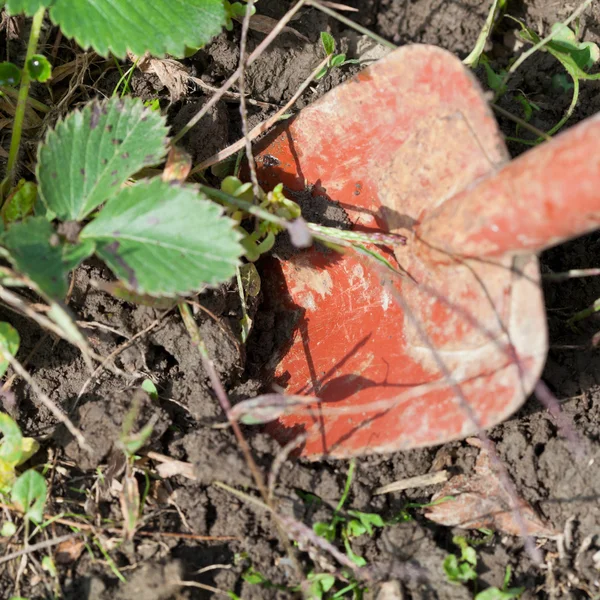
[[392, 146]]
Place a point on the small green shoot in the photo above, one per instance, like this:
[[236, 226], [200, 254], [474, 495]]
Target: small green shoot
[[150, 389], [335, 60], [234, 11], [8, 529], [461, 569], [576, 58]]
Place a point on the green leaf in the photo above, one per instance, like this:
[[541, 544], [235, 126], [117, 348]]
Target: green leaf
[[39, 68], [29, 7], [9, 343], [20, 202], [37, 251], [11, 444], [367, 521], [159, 27], [10, 74], [29, 494], [338, 60], [90, 154], [150, 389], [8, 529], [165, 240], [328, 43]]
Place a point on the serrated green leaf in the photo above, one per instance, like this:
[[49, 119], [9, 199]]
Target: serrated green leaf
[[159, 27], [29, 7], [29, 495], [10, 74], [90, 154], [11, 444], [165, 240], [39, 68], [36, 250], [9, 342]]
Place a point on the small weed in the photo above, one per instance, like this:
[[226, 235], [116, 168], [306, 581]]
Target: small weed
[[335, 60], [462, 569]]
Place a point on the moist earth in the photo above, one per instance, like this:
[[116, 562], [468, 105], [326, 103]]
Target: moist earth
[[558, 476]]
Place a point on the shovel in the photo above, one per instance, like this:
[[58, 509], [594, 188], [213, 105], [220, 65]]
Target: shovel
[[457, 341]]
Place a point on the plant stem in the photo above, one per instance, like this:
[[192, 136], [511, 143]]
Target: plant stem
[[543, 42], [15, 142], [473, 59]]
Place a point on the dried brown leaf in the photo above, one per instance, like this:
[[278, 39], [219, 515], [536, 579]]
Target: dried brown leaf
[[480, 500], [171, 73], [69, 551]]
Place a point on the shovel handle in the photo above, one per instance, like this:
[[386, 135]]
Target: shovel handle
[[543, 198]]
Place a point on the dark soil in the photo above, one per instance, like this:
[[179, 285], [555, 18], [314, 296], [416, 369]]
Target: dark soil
[[560, 479]]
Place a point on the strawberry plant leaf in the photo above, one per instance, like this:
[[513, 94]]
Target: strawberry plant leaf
[[159, 27], [164, 239], [9, 343], [88, 157], [29, 7], [20, 203], [35, 249], [97, 150], [11, 444], [29, 495]]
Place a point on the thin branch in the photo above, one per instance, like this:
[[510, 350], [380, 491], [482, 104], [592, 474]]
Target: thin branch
[[116, 352], [225, 87], [39, 546], [261, 127], [258, 193], [47, 402]]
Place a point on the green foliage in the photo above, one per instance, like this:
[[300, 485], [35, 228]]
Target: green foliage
[[235, 11], [39, 68], [8, 529], [10, 74], [115, 26], [29, 7], [36, 250], [150, 389], [9, 344], [14, 451], [153, 226], [334, 60], [20, 203], [142, 231], [576, 58], [461, 569], [29, 495], [85, 160]]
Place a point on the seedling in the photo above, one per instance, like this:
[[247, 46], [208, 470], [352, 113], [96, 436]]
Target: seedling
[[335, 60], [576, 57], [462, 569]]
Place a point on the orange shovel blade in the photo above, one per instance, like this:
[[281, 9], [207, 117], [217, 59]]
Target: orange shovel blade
[[398, 361]]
